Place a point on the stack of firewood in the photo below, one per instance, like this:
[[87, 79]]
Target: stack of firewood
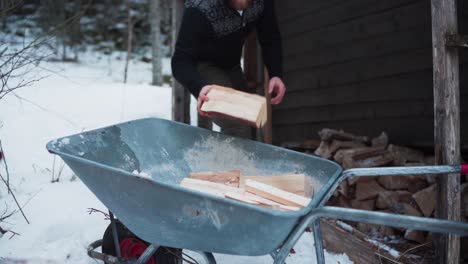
[[409, 195], [289, 192]]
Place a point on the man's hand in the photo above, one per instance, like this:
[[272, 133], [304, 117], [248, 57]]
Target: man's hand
[[203, 98], [276, 86]]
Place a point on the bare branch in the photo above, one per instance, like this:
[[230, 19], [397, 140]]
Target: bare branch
[[93, 210]]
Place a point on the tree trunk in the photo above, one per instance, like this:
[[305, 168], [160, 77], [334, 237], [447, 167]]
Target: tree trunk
[[129, 38], [155, 21]]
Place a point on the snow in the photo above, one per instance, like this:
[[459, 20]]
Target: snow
[[72, 98], [393, 252], [345, 226]]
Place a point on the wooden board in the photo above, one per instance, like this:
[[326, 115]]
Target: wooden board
[[294, 183], [237, 105], [230, 178], [275, 194]]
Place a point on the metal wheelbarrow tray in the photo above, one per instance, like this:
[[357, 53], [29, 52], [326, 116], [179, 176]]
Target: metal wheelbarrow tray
[[134, 169]]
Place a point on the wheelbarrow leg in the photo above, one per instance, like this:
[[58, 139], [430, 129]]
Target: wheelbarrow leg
[[209, 258], [318, 242], [114, 235], [147, 254]]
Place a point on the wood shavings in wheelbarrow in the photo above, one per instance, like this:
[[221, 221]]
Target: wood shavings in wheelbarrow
[[288, 192]]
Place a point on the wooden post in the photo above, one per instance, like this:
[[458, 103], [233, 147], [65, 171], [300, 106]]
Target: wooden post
[[446, 122], [180, 95]]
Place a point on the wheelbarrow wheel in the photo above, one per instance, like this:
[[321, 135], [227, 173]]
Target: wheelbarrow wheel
[[131, 247]]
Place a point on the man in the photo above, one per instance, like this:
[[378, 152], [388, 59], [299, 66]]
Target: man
[[209, 48]]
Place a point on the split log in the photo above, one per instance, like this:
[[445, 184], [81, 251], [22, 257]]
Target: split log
[[368, 190], [324, 150], [362, 161], [209, 187], [240, 198], [338, 144], [425, 199], [380, 141], [405, 208], [237, 105], [387, 199], [404, 155], [230, 178], [294, 183], [343, 189], [367, 205], [413, 183], [358, 153], [275, 194], [343, 202], [327, 134]]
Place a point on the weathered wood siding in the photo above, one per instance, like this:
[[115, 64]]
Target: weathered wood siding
[[364, 66]]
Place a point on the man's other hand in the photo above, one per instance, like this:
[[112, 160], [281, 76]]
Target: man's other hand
[[202, 97], [276, 86]]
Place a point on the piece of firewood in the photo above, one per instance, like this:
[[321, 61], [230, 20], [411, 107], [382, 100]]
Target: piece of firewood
[[426, 200], [387, 199], [324, 150], [240, 198], [202, 186], [275, 194], [270, 203], [368, 190], [359, 153], [380, 141], [328, 134], [295, 183], [237, 105], [363, 161], [230, 178], [338, 144], [403, 155]]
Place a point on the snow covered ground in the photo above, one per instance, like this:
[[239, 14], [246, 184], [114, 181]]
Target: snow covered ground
[[76, 97]]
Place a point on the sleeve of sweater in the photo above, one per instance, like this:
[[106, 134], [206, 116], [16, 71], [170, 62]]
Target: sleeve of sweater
[[270, 40], [193, 28]]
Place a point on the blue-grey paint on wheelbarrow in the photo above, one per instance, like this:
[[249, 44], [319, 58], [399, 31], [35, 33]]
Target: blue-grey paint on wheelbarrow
[[112, 161]]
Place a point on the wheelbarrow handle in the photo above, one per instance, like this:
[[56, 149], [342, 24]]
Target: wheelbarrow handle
[[406, 170], [392, 171], [395, 220]]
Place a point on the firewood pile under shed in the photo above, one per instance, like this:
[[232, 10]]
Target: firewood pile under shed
[[408, 195]]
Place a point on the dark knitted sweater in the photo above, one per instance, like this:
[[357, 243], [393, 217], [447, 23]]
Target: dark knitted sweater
[[213, 32]]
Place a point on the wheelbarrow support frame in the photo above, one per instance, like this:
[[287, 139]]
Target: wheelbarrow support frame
[[394, 220]]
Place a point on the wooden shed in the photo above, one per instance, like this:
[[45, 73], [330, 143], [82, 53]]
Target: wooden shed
[[364, 66], [367, 66]]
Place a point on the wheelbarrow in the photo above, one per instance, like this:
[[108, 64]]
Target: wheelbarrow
[[134, 169]]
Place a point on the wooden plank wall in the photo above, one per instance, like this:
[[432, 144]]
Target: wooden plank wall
[[364, 66]]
